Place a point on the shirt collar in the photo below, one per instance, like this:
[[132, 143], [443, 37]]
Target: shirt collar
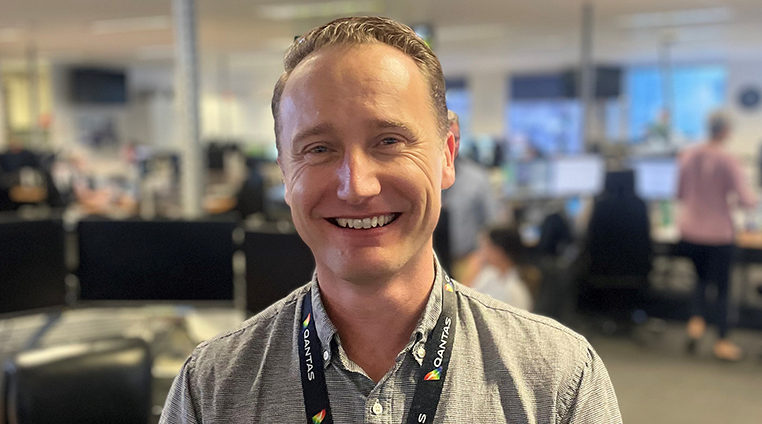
[[327, 331], [325, 328]]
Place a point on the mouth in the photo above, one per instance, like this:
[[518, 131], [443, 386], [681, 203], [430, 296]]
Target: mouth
[[365, 223]]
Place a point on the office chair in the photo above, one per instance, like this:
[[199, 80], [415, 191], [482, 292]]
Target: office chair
[[618, 251], [105, 381], [555, 235]]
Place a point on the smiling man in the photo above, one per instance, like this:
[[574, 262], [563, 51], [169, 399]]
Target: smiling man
[[381, 334]]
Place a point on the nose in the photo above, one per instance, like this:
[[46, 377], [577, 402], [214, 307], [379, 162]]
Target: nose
[[358, 179]]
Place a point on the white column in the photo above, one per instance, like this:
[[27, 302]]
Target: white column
[[488, 101], [187, 97], [587, 76], [3, 116], [33, 76]]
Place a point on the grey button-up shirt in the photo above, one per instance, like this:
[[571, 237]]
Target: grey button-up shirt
[[507, 366]]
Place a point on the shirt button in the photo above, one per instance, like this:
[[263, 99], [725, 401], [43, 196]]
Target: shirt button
[[377, 408], [420, 352], [325, 355]]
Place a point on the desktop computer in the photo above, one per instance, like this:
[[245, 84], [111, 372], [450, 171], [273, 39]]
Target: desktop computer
[[277, 263], [152, 261], [656, 178], [577, 176], [32, 266]]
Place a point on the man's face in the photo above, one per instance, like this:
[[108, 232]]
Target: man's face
[[360, 146]]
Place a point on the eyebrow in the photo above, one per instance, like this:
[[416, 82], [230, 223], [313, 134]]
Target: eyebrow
[[385, 123], [319, 129], [327, 128]]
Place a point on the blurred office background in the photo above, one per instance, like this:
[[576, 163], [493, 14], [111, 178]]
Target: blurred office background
[[142, 210]]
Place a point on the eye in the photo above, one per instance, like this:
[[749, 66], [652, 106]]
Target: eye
[[318, 149], [388, 141]]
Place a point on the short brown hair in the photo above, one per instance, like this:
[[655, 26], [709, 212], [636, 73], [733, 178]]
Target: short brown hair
[[719, 124], [367, 30], [452, 118]]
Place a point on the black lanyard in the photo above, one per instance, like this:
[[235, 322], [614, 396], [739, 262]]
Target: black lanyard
[[430, 381]]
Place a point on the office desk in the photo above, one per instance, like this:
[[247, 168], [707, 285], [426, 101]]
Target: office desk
[[748, 248], [747, 256]]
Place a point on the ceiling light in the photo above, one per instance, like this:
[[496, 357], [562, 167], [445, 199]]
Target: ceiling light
[[147, 23], [285, 12], [676, 18]]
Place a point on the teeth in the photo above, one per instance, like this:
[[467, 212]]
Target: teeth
[[365, 223]]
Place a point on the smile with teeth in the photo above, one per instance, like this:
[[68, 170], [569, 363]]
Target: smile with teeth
[[365, 223]]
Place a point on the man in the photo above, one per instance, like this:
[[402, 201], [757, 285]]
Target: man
[[708, 175], [472, 206], [380, 334]]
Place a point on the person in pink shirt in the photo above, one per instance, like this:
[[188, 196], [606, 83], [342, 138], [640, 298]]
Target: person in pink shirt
[[711, 182]]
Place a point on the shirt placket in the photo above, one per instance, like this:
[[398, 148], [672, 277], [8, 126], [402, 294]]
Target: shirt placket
[[378, 406]]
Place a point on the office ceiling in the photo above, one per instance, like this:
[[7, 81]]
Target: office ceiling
[[475, 34]]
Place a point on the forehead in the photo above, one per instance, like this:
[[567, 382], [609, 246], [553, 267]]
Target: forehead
[[358, 77]]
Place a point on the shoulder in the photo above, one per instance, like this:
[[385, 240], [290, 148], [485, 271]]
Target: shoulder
[[221, 373], [523, 336], [540, 355], [249, 343], [689, 153], [730, 160]]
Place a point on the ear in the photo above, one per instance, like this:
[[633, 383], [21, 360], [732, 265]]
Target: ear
[[448, 161], [283, 180]]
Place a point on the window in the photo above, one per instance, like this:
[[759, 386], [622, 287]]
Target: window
[[696, 91], [459, 101], [547, 127]]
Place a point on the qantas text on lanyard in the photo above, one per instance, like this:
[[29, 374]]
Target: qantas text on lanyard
[[430, 381]]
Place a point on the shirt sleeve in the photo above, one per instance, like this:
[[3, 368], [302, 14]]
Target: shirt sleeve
[[592, 399], [180, 406], [741, 186]]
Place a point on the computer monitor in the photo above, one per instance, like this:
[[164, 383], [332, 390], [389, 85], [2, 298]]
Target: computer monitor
[[577, 176], [32, 266], [655, 178], [277, 263], [154, 261]]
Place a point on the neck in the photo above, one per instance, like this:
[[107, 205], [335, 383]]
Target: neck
[[376, 319]]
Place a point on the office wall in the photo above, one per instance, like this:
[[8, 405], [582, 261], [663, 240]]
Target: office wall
[[237, 109], [236, 99], [747, 135], [69, 118], [489, 96], [748, 123]]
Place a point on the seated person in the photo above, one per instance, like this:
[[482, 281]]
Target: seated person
[[496, 270]]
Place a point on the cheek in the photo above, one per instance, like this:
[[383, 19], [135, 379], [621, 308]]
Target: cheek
[[425, 166], [294, 180], [409, 182], [306, 187]]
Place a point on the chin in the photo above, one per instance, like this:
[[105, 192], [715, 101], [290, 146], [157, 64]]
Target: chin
[[362, 269], [365, 273]]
